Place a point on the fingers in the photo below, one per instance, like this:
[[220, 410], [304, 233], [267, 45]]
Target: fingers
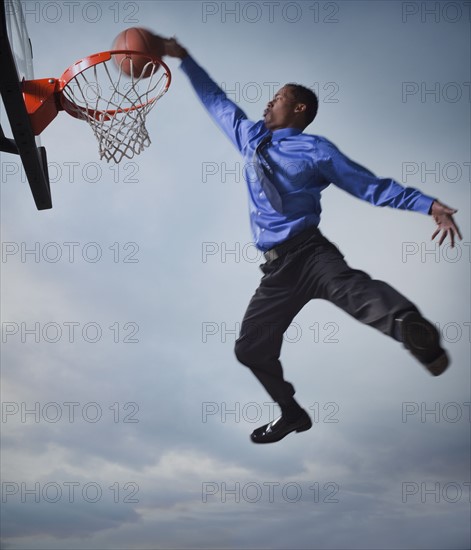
[[457, 231], [453, 230], [443, 237], [448, 231]]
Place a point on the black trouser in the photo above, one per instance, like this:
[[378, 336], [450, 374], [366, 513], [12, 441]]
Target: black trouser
[[315, 269]]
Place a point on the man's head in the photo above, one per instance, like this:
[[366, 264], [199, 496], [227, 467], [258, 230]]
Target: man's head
[[293, 106]]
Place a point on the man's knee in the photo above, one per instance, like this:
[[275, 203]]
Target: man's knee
[[258, 343], [244, 352], [252, 352]]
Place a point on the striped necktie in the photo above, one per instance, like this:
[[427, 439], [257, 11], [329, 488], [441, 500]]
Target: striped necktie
[[265, 174]]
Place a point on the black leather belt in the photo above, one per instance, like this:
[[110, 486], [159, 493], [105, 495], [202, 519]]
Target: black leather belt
[[290, 244]]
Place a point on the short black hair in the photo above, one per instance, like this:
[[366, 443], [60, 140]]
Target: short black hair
[[308, 97]]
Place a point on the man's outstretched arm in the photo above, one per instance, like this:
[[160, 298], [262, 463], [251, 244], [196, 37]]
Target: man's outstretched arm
[[228, 116], [360, 182]]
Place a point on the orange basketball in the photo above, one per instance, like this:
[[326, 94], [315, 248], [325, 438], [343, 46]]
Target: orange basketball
[[141, 40]]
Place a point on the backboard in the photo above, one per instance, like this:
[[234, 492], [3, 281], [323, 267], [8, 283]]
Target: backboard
[[16, 65]]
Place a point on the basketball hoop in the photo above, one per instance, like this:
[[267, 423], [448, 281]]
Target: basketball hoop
[[114, 102]]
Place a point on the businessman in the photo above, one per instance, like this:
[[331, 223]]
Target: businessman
[[286, 172]]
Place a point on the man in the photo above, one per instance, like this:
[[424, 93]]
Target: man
[[289, 171]]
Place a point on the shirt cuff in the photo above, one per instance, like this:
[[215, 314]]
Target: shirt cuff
[[424, 203]]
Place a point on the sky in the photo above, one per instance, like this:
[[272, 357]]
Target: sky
[[125, 414]]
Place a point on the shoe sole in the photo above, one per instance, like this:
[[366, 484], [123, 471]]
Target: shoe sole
[[303, 428]]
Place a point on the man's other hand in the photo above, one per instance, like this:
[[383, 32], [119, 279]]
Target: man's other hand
[[443, 216]]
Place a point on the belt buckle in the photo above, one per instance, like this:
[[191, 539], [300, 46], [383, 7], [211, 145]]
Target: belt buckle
[[271, 255]]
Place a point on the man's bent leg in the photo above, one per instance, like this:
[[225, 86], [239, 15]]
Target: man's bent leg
[[258, 347], [269, 314], [379, 305]]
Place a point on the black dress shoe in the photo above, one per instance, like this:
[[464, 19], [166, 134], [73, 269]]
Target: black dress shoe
[[279, 428], [422, 339]]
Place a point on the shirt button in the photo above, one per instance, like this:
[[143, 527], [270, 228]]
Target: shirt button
[[260, 194], [258, 212], [263, 229]]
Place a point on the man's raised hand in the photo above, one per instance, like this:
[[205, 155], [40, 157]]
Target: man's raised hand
[[174, 49]]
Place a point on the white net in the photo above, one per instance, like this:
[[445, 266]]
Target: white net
[[116, 104]]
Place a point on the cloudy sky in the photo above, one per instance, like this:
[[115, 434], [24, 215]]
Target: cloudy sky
[[125, 415]]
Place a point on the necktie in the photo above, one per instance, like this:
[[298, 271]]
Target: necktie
[[265, 174]]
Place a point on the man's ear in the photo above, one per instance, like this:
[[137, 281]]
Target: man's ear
[[300, 108]]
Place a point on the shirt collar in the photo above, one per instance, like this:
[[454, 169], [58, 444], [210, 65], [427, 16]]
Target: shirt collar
[[284, 133]]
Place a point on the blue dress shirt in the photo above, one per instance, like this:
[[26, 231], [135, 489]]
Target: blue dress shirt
[[302, 166]]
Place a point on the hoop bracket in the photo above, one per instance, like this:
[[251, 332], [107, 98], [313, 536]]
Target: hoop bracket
[[42, 102]]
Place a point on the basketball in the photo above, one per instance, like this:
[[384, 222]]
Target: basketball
[[141, 40]]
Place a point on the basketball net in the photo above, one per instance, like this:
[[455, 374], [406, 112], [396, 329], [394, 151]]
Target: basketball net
[[116, 107]]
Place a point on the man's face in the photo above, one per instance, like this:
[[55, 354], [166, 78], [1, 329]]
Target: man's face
[[280, 111]]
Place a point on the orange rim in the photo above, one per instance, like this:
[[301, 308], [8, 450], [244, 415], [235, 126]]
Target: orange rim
[[95, 59]]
